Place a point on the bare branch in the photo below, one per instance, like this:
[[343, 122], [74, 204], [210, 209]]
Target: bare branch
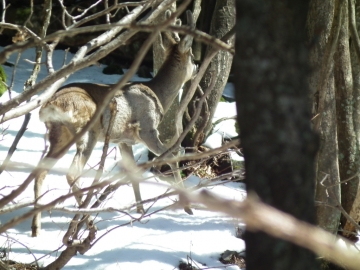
[[12, 148], [20, 243], [20, 28], [15, 207], [4, 8], [333, 196], [187, 98], [196, 9], [101, 105], [192, 156], [219, 121], [99, 41], [13, 75], [31, 81], [185, 101], [13, 222], [197, 34], [107, 16], [106, 11], [261, 217], [85, 10], [21, 167], [31, 12], [78, 62]]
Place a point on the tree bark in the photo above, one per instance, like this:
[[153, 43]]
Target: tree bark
[[323, 32], [348, 145], [223, 19], [271, 71], [203, 24], [349, 117]]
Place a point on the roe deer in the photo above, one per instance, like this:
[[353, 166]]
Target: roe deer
[[139, 110]]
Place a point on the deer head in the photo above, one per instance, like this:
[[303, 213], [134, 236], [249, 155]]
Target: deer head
[[178, 66]]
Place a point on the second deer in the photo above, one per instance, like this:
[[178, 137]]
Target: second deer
[[139, 110]]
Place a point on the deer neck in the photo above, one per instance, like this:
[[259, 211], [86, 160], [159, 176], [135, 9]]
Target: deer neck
[[167, 82]]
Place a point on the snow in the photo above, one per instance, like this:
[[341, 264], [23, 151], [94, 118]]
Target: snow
[[229, 91], [159, 241], [226, 128]]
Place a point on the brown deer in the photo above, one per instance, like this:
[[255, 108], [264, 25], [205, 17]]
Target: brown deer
[[139, 109]]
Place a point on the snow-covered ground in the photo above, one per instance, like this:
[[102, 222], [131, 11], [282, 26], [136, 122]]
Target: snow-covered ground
[[160, 241]]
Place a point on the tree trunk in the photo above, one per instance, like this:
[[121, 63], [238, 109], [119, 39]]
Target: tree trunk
[[203, 24], [350, 191], [273, 112], [322, 36], [223, 19], [348, 145]]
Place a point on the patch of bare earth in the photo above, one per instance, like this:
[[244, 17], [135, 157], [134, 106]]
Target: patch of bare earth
[[214, 167], [234, 258], [12, 265]]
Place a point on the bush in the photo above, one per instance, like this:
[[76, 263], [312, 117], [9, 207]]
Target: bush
[[3, 87]]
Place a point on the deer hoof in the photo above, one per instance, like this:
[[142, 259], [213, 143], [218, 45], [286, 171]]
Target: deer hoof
[[188, 210], [35, 231]]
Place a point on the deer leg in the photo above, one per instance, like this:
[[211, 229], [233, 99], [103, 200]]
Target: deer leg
[[127, 153], [151, 139], [59, 136], [84, 147]]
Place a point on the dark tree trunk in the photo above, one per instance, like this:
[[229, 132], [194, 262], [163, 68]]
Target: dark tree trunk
[[347, 139], [223, 20], [203, 24], [323, 32], [271, 71]]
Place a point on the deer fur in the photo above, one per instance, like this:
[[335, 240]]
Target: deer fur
[[139, 110]]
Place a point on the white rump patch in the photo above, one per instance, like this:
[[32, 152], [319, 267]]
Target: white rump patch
[[52, 113]]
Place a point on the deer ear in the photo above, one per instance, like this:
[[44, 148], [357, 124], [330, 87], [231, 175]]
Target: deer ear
[[186, 42], [167, 14], [172, 37]]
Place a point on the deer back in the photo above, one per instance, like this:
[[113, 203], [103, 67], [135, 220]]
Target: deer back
[[139, 106]]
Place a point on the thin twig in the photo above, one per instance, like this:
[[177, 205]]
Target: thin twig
[[21, 244], [13, 146], [189, 94], [197, 34], [14, 207], [4, 8], [51, 82], [105, 12], [104, 102], [261, 217], [13, 75], [85, 11], [107, 16]]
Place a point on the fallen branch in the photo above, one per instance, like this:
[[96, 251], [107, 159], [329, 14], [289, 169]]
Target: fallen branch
[[261, 217]]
